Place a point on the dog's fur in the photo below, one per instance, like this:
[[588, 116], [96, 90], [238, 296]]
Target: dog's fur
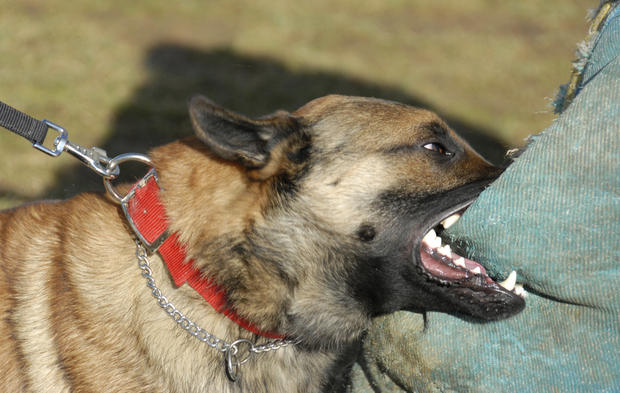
[[309, 220]]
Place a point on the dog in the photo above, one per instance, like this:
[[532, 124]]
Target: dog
[[307, 224]]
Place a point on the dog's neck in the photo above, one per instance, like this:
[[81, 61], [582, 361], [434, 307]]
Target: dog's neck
[[242, 233], [216, 240]]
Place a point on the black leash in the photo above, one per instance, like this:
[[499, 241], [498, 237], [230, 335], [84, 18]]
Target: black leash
[[36, 130], [32, 129]]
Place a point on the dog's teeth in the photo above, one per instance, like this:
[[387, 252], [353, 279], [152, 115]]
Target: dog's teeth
[[509, 283], [476, 270], [519, 290], [447, 223], [430, 236], [445, 250], [434, 243], [460, 262]]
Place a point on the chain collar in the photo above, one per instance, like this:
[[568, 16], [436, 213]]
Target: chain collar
[[233, 354]]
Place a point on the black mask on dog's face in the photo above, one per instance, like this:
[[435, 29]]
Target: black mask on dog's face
[[423, 273]]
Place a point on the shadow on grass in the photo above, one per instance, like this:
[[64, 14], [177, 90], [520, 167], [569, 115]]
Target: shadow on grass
[[157, 112]]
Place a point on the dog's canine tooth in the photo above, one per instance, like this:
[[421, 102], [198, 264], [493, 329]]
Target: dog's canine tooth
[[476, 270], [447, 223], [509, 283], [460, 262], [429, 236], [445, 251]]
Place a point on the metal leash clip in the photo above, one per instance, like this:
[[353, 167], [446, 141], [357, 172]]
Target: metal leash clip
[[95, 158]]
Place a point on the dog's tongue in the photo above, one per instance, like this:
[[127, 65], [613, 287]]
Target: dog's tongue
[[445, 267]]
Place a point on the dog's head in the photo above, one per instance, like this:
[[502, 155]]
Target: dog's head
[[355, 193]]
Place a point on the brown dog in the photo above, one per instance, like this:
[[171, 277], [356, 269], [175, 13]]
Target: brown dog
[[309, 223]]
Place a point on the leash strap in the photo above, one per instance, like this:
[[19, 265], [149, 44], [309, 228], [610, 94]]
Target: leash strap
[[20, 123]]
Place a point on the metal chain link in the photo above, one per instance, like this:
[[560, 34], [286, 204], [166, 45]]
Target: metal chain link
[[230, 351]]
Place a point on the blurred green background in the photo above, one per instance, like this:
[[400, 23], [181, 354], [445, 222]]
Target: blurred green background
[[118, 74]]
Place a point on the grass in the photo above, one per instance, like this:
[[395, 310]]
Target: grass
[[118, 74]]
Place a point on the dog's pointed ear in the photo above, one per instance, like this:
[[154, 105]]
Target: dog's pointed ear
[[235, 137]]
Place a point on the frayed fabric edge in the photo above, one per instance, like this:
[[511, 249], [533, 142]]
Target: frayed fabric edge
[[568, 91]]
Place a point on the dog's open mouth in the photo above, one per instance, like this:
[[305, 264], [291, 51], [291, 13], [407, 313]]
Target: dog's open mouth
[[443, 265]]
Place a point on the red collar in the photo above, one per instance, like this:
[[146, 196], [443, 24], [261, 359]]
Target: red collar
[[147, 217]]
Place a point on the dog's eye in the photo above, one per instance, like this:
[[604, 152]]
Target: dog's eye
[[437, 147]]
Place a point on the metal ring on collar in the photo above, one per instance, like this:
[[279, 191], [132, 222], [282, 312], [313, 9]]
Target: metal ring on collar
[[114, 162], [233, 364]]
